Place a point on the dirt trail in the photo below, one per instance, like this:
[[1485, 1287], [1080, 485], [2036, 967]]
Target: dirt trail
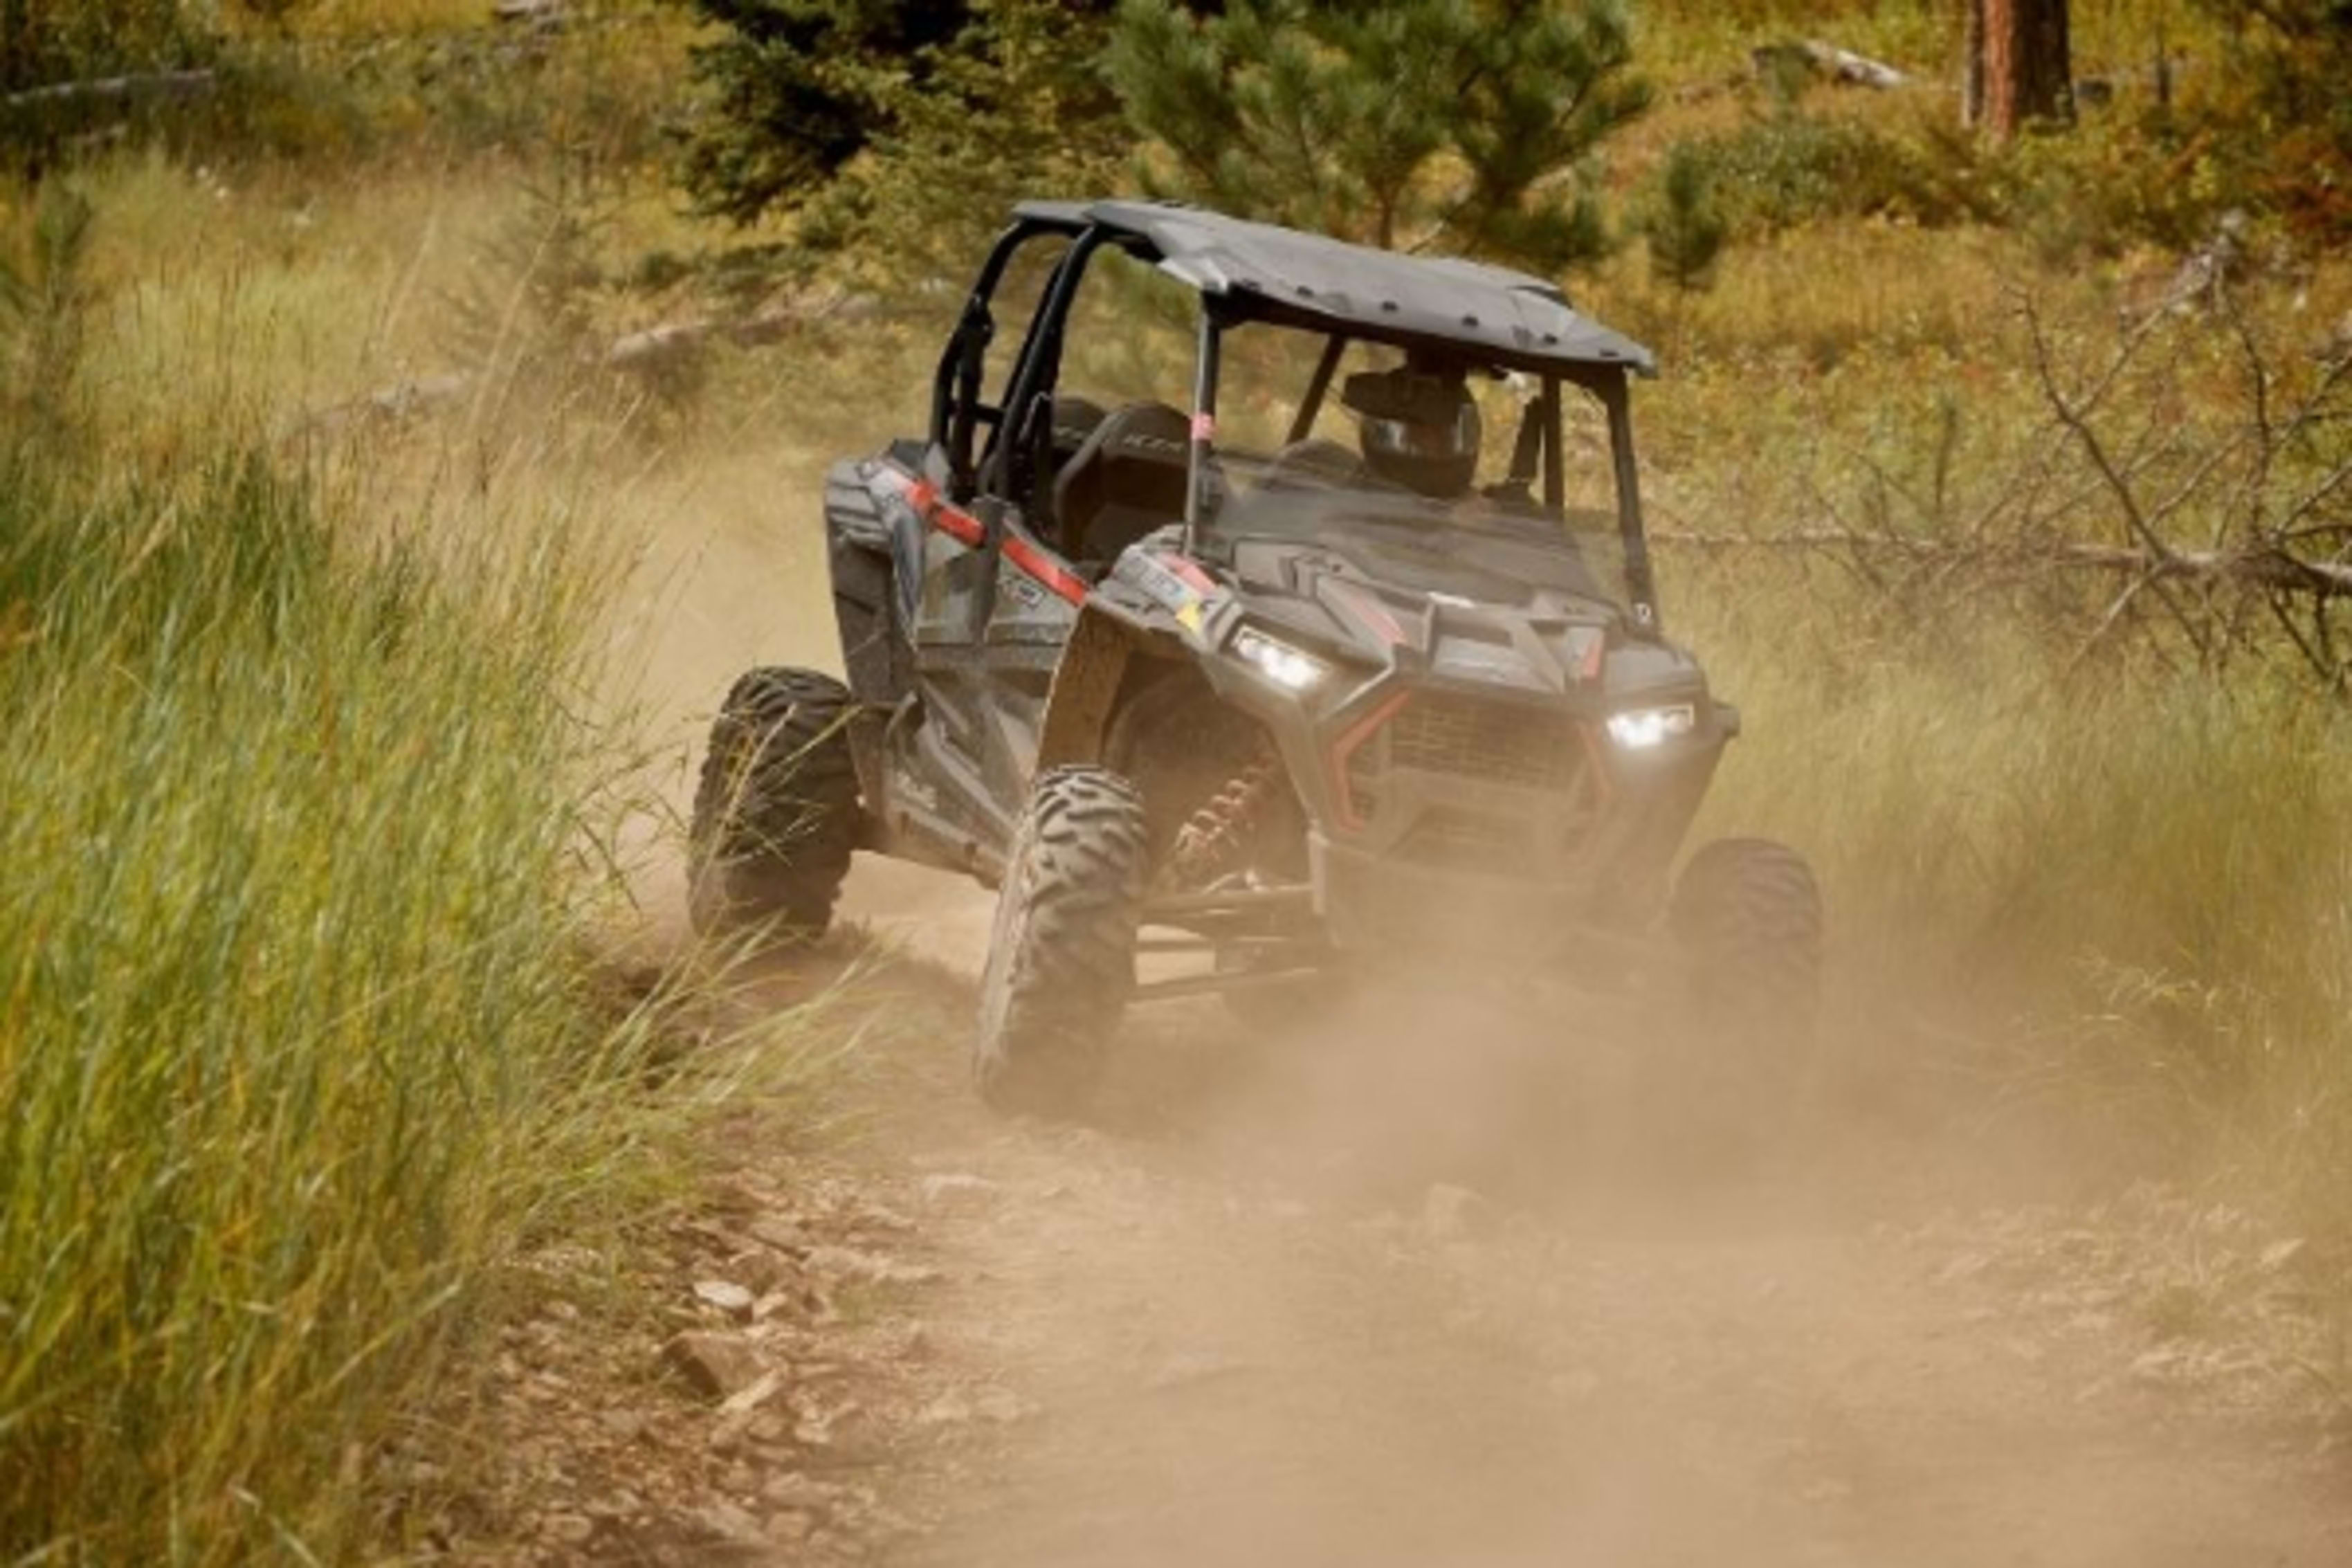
[[1377, 1295], [1311, 1302]]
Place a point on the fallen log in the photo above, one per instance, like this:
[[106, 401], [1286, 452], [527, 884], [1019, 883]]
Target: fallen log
[[1826, 60], [658, 347], [651, 352], [541, 15], [402, 400], [153, 84]]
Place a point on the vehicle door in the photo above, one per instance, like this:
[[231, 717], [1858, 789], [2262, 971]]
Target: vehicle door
[[949, 545], [1101, 355]]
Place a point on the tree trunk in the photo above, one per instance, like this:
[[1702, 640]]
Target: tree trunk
[[2024, 64], [1972, 86]]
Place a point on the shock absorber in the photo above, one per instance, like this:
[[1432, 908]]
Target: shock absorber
[[1219, 835]]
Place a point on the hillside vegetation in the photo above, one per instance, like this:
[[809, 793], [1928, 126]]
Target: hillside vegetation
[[312, 426]]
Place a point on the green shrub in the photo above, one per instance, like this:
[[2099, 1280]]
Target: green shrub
[[1788, 168], [2118, 178], [2285, 109], [1684, 224], [43, 42]]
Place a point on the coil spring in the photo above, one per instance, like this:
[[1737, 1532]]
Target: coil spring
[[1219, 835]]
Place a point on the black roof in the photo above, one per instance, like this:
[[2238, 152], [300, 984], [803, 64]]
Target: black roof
[[1310, 279]]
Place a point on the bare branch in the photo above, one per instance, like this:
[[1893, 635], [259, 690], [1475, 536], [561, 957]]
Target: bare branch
[[2076, 420], [2253, 566]]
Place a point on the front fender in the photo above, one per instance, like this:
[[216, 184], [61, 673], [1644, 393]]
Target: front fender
[[1105, 644]]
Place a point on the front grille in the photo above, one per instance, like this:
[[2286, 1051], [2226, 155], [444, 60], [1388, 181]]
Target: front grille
[[1410, 772], [1364, 770], [1490, 741], [1470, 840]]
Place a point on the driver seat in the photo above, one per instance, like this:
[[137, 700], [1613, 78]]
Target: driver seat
[[1126, 479]]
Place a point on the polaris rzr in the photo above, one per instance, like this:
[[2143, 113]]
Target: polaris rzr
[[1207, 619]]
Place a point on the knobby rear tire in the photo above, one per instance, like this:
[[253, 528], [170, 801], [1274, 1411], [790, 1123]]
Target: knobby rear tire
[[776, 809]]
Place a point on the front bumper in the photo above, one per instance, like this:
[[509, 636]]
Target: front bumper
[[1479, 817], [1367, 903], [1442, 832]]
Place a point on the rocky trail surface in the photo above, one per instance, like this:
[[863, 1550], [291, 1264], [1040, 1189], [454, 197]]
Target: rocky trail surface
[[1374, 1294]]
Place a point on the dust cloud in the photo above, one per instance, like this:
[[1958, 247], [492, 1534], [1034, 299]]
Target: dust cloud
[[1418, 1283]]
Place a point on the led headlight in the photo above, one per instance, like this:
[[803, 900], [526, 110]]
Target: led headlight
[[1279, 662], [1640, 728]]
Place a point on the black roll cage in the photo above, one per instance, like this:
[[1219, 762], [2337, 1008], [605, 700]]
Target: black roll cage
[[957, 409], [1020, 426]]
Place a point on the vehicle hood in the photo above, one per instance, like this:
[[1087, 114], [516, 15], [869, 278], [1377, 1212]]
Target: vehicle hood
[[1461, 613]]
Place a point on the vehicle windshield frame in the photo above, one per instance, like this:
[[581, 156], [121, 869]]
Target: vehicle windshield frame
[[1242, 274], [1611, 384]]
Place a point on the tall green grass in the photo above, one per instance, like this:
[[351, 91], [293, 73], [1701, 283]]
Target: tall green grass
[[295, 1032]]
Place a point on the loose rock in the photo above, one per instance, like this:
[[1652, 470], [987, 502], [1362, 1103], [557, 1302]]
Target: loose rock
[[718, 1365], [947, 1410], [780, 1231], [728, 1522], [756, 1393], [955, 1187], [1001, 1405], [803, 1493], [569, 1529], [790, 1527], [725, 1295], [871, 1267]]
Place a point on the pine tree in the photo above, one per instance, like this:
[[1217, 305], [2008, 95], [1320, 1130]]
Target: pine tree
[[1455, 125], [1685, 227], [1012, 107], [795, 90]]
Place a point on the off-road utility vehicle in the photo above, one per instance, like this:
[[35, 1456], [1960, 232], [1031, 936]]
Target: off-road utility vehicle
[[1208, 617]]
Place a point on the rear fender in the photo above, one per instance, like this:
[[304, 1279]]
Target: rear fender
[[1104, 646], [858, 553]]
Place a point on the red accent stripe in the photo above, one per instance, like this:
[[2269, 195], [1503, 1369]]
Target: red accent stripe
[[1185, 567], [1363, 730], [956, 523], [1045, 568], [959, 526], [1595, 654], [1372, 613], [965, 529]]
